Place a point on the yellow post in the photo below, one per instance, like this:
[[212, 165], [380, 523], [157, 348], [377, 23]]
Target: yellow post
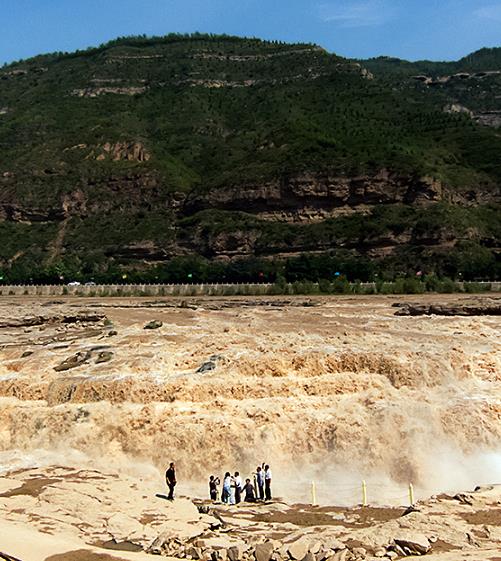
[[364, 493], [411, 494], [313, 494]]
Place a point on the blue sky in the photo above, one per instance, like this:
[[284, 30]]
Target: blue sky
[[412, 29]]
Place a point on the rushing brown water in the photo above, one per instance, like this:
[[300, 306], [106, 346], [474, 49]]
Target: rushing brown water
[[336, 391]]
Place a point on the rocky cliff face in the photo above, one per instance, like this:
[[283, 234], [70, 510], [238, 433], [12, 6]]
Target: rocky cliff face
[[301, 199], [302, 196], [316, 196]]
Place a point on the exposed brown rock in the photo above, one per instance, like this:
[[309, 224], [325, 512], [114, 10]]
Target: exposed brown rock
[[33, 321], [298, 549], [413, 543], [153, 324], [104, 356], [74, 361], [264, 551], [310, 193], [480, 309], [120, 151], [98, 91]]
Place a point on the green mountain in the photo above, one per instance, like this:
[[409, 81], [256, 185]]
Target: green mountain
[[230, 157], [471, 85]]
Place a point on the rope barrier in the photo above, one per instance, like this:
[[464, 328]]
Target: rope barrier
[[360, 494]]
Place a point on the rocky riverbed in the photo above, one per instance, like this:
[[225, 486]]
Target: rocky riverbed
[[72, 514], [98, 395]]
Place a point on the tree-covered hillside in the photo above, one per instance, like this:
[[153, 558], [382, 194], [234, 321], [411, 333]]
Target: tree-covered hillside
[[146, 151], [474, 81]]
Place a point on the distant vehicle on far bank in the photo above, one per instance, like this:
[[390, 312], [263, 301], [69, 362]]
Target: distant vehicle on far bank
[[74, 283], [90, 283]]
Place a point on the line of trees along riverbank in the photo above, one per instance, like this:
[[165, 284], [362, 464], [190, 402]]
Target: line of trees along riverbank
[[476, 264], [339, 286]]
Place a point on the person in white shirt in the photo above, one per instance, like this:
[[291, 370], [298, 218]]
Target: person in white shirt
[[267, 482], [226, 498], [238, 487]]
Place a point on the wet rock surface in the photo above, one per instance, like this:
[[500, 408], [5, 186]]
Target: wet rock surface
[[32, 321], [104, 356], [484, 307], [154, 324], [74, 361]]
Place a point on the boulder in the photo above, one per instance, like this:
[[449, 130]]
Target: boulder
[[264, 551], [122, 526], [73, 361], [399, 551], [309, 557], [464, 499], [336, 545], [298, 549], [194, 552], [322, 555], [104, 356], [222, 555], [413, 543], [206, 367], [233, 553], [315, 548], [154, 324]]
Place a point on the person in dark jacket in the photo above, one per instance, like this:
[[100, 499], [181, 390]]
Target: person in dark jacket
[[213, 483], [170, 479], [250, 497]]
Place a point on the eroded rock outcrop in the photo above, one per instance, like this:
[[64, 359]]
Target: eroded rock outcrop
[[122, 151], [317, 196], [473, 309]]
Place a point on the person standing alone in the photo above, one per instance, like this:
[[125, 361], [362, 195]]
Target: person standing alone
[[170, 479], [267, 482], [213, 483]]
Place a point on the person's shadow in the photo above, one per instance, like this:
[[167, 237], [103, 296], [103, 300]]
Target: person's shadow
[[6, 557], [165, 497]]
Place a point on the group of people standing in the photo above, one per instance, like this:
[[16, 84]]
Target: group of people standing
[[234, 488]]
